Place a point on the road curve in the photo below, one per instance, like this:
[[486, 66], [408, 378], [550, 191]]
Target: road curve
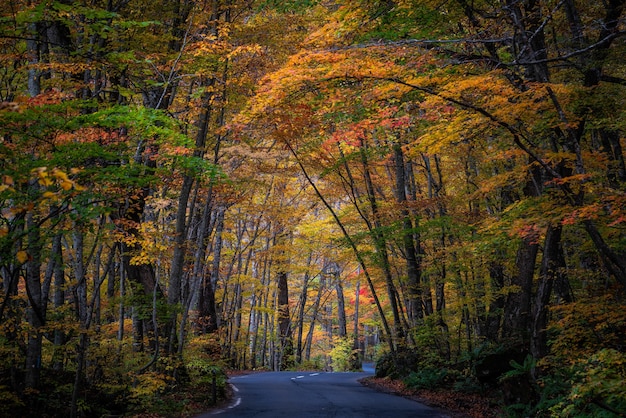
[[303, 395]]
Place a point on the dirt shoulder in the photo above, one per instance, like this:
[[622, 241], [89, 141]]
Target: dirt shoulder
[[462, 405]]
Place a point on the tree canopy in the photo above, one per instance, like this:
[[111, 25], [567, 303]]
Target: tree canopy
[[190, 187]]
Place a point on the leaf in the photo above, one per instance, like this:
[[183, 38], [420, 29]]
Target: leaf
[[22, 256]]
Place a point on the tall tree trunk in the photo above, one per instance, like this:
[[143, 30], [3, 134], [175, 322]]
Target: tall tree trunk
[[411, 254], [284, 322], [301, 309], [380, 243], [356, 358], [58, 300], [36, 311], [435, 192], [495, 311], [34, 45], [82, 307], [553, 269], [314, 314], [517, 310], [207, 313], [341, 309], [178, 258], [517, 313]]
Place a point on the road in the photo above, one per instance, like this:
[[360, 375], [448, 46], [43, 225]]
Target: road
[[303, 395]]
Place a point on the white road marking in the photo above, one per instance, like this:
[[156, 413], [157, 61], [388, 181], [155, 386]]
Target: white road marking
[[235, 404]]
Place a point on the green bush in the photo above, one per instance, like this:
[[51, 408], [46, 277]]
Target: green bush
[[468, 384], [342, 355], [427, 378], [597, 389]]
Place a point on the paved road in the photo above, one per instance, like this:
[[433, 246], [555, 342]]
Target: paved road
[[303, 395]]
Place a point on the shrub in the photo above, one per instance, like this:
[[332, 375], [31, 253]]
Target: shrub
[[598, 388], [342, 355], [427, 378]]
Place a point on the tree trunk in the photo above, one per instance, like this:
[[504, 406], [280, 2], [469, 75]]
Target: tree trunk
[[301, 308], [494, 314], [553, 269], [517, 309], [380, 243], [36, 311], [178, 259], [341, 309], [314, 314], [284, 322], [58, 299], [412, 257], [215, 270]]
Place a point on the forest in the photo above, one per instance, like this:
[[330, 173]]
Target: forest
[[191, 187]]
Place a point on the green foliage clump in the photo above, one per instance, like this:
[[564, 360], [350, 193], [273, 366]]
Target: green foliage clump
[[410, 20], [343, 355], [597, 388], [288, 6], [585, 372], [316, 363], [427, 378]]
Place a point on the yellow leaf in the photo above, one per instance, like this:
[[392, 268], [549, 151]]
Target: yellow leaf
[[66, 184], [22, 256]]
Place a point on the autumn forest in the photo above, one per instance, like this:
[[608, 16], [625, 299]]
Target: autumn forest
[[191, 187]]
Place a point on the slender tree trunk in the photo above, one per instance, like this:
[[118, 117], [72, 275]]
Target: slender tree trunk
[[36, 311], [122, 309], [82, 307], [517, 310], [314, 314], [341, 309], [435, 184], [301, 309], [517, 313], [208, 309], [553, 269], [356, 358], [34, 45], [380, 244], [412, 256], [494, 314], [178, 258], [284, 322], [58, 299]]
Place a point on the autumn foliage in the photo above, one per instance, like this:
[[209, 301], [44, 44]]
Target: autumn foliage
[[188, 187]]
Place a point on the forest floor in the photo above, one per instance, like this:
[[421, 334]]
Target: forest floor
[[461, 405]]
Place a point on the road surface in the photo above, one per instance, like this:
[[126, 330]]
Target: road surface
[[303, 395]]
